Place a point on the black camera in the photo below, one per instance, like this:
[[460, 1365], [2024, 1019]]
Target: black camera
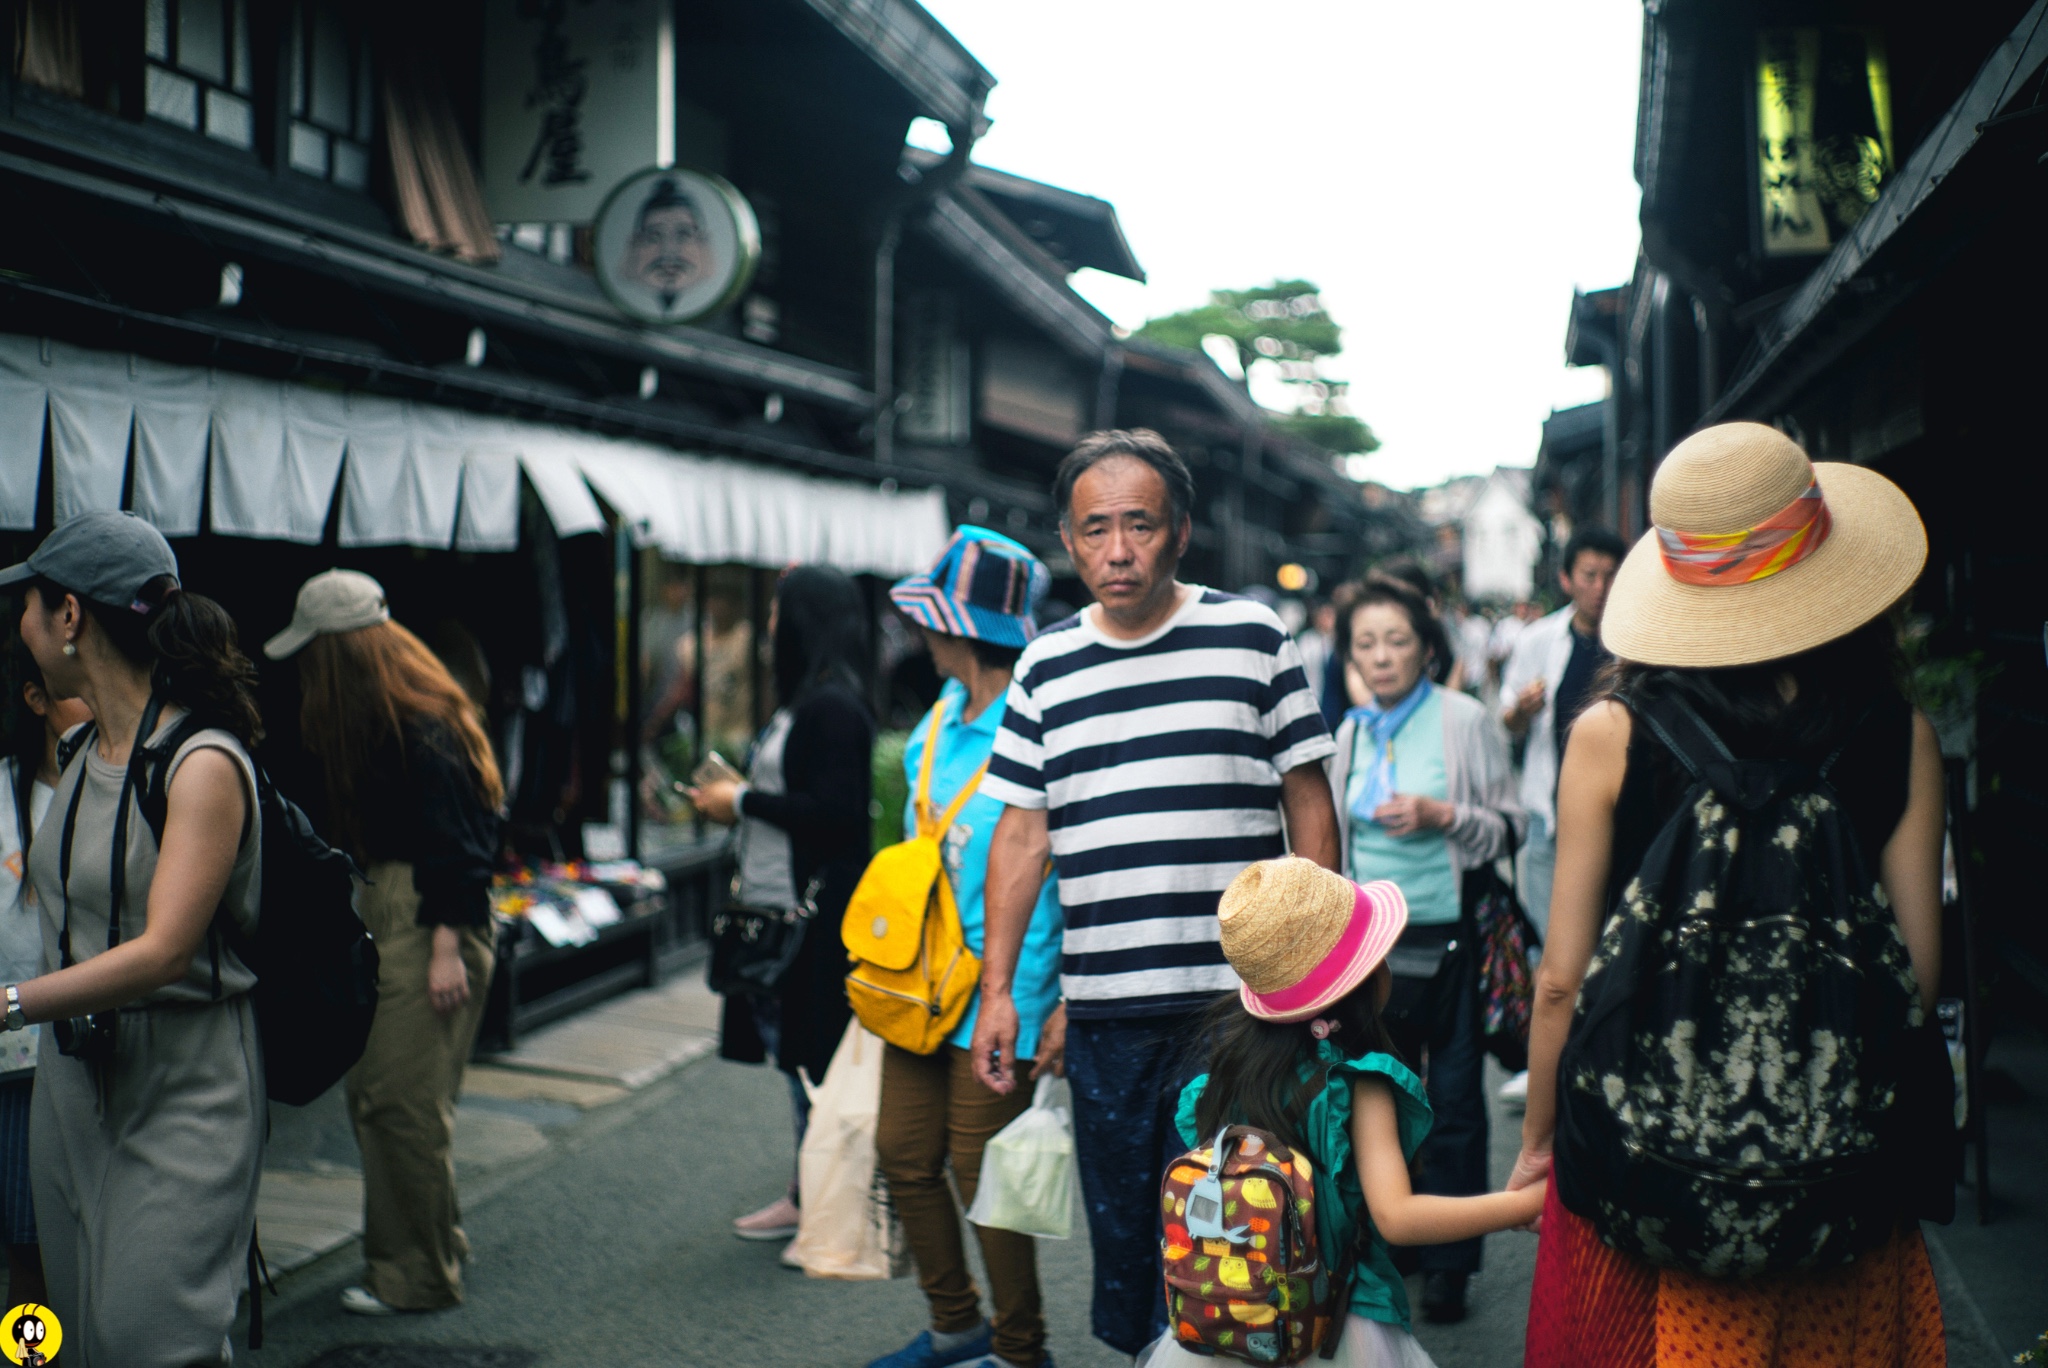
[[90, 1038]]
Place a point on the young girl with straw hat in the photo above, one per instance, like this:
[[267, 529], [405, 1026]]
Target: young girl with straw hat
[[1301, 1053]]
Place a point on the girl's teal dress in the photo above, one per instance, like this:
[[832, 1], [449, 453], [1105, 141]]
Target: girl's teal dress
[[1377, 1292]]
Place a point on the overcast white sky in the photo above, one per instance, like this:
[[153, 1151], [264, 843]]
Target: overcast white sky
[[1445, 172]]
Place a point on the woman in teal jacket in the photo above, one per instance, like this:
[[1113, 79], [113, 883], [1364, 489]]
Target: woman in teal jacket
[[975, 608]]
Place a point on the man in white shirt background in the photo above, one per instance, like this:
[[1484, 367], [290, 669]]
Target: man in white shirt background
[[1546, 684]]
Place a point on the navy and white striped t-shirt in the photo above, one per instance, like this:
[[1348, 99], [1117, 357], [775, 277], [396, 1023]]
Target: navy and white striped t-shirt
[[1158, 763]]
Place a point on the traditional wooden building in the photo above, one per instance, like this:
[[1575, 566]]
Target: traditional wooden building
[[1841, 217]]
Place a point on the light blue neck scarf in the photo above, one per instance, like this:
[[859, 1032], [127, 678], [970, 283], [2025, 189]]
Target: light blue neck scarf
[[1377, 726]]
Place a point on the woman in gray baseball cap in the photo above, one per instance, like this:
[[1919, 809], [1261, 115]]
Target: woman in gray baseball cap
[[146, 1133]]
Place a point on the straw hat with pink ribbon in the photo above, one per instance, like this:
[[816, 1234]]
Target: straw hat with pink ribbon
[[1302, 938], [1759, 553]]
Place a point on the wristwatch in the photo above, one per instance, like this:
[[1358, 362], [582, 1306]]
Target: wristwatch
[[15, 1020]]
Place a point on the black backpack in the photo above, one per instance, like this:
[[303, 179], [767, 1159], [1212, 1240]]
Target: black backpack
[[315, 964], [1728, 1087]]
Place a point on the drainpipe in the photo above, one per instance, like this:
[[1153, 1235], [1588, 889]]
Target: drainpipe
[[923, 191]]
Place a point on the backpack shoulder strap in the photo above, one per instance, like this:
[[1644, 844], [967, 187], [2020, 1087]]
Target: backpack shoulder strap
[[967, 790], [154, 791], [1684, 733], [921, 800], [71, 745]]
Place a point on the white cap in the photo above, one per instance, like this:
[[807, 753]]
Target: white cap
[[337, 601]]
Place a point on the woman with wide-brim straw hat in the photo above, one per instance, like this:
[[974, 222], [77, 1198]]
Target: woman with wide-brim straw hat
[[1760, 599]]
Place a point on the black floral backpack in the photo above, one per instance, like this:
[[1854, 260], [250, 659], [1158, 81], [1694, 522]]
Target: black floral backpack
[[1731, 1077]]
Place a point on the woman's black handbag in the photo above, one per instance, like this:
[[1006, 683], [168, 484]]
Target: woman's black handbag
[[1427, 964], [754, 948]]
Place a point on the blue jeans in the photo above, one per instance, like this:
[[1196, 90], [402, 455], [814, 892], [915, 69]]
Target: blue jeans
[[1536, 864], [1126, 1077], [1452, 1161]]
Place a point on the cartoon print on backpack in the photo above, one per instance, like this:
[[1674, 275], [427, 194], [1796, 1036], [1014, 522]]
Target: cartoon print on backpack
[[1244, 1271]]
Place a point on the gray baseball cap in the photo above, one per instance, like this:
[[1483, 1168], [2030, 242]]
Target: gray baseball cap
[[105, 557]]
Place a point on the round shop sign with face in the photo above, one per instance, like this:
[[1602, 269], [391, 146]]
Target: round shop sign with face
[[672, 246]]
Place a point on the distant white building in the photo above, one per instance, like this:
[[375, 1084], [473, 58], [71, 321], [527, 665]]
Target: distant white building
[[1502, 538], [1486, 537]]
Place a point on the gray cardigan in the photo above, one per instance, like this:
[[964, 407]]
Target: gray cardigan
[[1479, 779]]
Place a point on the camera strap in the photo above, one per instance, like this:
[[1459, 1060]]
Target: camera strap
[[117, 878]]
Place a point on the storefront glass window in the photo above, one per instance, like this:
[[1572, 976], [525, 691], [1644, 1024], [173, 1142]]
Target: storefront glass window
[[197, 68], [331, 95], [701, 684]]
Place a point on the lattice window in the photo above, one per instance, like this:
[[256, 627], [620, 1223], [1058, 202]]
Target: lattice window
[[332, 89], [196, 69]]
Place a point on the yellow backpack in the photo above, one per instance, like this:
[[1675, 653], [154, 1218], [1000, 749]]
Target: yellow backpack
[[913, 974]]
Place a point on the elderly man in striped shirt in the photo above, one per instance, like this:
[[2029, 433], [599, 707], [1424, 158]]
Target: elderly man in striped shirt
[[1151, 746]]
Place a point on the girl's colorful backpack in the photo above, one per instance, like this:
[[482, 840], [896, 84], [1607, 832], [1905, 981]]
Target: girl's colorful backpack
[[1245, 1275]]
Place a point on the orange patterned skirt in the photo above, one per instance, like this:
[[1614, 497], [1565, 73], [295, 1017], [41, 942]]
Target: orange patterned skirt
[[1593, 1307]]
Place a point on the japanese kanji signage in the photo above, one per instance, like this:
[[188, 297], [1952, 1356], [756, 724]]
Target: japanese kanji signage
[[578, 95], [1824, 134]]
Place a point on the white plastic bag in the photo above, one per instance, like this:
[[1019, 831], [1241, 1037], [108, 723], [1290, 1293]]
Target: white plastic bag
[[848, 1228], [1027, 1169]]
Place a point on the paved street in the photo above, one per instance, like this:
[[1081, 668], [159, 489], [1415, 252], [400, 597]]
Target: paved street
[[599, 1219]]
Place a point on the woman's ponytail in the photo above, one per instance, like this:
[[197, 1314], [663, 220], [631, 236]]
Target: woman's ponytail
[[200, 664], [192, 650]]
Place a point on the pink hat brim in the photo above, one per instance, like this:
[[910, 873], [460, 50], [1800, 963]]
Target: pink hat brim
[[1378, 916]]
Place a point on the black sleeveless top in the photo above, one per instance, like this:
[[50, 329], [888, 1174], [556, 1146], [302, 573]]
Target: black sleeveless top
[[1870, 777]]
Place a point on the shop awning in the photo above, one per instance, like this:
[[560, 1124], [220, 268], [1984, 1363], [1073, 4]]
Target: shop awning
[[247, 457]]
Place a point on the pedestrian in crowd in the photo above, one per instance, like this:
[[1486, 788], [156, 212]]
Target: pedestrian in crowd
[[35, 723], [146, 1130], [974, 609], [1334, 695], [1425, 797], [803, 839], [1500, 647], [1546, 684], [1302, 1053], [1151, 744], [1318, 643], [1475, 662], [1779, 643], [412, 792]]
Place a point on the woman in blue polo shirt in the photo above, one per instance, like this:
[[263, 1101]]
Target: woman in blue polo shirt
[[975, 608]]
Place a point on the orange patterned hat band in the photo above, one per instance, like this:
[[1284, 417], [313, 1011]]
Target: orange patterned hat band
[[1786, 538]]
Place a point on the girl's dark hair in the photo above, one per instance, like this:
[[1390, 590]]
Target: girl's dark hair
[[24, 732], [820, 633], [190, 645], [1379, 587], [1836, 686], [1255, 1073]]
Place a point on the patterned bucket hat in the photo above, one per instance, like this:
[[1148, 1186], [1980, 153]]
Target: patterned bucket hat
[[985, 586]]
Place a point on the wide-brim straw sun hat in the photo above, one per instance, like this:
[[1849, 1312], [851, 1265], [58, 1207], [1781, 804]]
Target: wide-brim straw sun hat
[[1302, 938], [1758, 553]]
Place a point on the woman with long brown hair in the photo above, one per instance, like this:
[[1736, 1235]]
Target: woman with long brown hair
[[413, 792]]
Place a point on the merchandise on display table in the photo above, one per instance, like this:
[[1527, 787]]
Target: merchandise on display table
[[569, 904], [568, 936]]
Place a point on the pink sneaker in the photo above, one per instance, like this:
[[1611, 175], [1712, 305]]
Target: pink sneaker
[[776, 1221]]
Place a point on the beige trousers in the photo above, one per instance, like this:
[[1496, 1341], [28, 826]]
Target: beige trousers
[[145, 1184], [401, 1096]]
